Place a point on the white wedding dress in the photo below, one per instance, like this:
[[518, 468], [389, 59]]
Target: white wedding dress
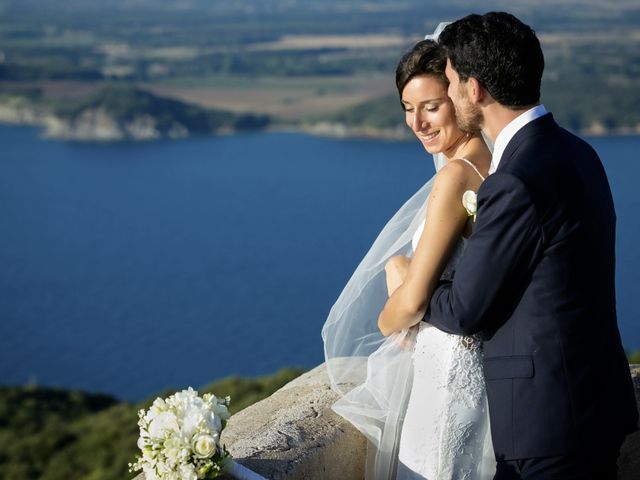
[[418, 396], [445, 433]]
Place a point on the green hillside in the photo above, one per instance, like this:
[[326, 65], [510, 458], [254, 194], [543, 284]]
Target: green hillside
[[54, 434], [125, 103]]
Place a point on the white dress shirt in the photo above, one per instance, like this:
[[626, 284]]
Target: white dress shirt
[[507, 133]]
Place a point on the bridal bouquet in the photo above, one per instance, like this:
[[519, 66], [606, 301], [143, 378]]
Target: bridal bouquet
[[180, 439]]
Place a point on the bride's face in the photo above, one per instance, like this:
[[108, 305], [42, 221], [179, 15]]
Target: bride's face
[[429, 112]]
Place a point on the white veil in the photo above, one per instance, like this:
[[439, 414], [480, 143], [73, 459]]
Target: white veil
[[373, 374]]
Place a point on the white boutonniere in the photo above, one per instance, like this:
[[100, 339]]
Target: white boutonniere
[[470, 203]]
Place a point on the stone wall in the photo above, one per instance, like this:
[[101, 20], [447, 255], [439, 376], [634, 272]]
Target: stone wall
[[294, 435]]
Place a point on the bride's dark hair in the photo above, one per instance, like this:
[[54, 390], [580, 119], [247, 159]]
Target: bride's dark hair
[[425, 58]]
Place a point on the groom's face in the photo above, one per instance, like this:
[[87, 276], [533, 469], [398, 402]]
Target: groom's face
[[468, 114]]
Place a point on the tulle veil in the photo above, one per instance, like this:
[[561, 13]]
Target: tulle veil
[[373, 374]]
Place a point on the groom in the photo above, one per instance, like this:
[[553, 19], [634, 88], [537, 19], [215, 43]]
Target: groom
[[537, 276]]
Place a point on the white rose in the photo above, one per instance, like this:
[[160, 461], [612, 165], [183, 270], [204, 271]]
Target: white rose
[[470, 203], [204, 446]]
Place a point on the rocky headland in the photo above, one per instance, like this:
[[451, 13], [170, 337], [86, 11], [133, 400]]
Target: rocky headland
[[116, 113]]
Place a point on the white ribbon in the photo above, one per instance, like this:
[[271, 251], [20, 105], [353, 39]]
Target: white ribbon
[[241, 472]]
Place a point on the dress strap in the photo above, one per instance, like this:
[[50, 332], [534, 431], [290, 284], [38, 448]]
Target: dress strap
[[474, 167]]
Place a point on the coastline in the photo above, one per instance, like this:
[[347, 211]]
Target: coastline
[[115, 114], [96, 124]]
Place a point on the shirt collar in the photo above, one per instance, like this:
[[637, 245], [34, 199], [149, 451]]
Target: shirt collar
[[507, 133]]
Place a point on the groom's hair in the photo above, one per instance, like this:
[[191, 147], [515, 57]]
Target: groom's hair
[[501, 52]]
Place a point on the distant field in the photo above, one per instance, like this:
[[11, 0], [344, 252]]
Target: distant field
[[286, 99], [306, 60], [573, 38], [304, 42], [289, 99]]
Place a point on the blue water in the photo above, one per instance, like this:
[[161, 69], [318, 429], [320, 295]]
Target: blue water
[[131, 267]]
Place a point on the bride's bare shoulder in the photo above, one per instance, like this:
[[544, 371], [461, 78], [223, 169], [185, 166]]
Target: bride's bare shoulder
[[450, 183], [455, 172], [473, 172]]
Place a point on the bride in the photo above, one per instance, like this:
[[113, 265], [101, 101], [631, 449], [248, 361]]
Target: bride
[[415, 392]]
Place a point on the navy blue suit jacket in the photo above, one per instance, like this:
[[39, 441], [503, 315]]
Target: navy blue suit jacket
[[537, 282]]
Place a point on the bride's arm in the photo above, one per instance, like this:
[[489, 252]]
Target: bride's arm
[[396, 270], [446, 218]]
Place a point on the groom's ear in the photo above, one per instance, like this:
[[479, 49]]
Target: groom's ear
[[476, 92]]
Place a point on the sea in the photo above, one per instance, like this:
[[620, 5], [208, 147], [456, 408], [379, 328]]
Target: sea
[[132, 267]]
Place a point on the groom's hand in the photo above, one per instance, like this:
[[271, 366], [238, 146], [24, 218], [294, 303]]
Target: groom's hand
[[396, 269]]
